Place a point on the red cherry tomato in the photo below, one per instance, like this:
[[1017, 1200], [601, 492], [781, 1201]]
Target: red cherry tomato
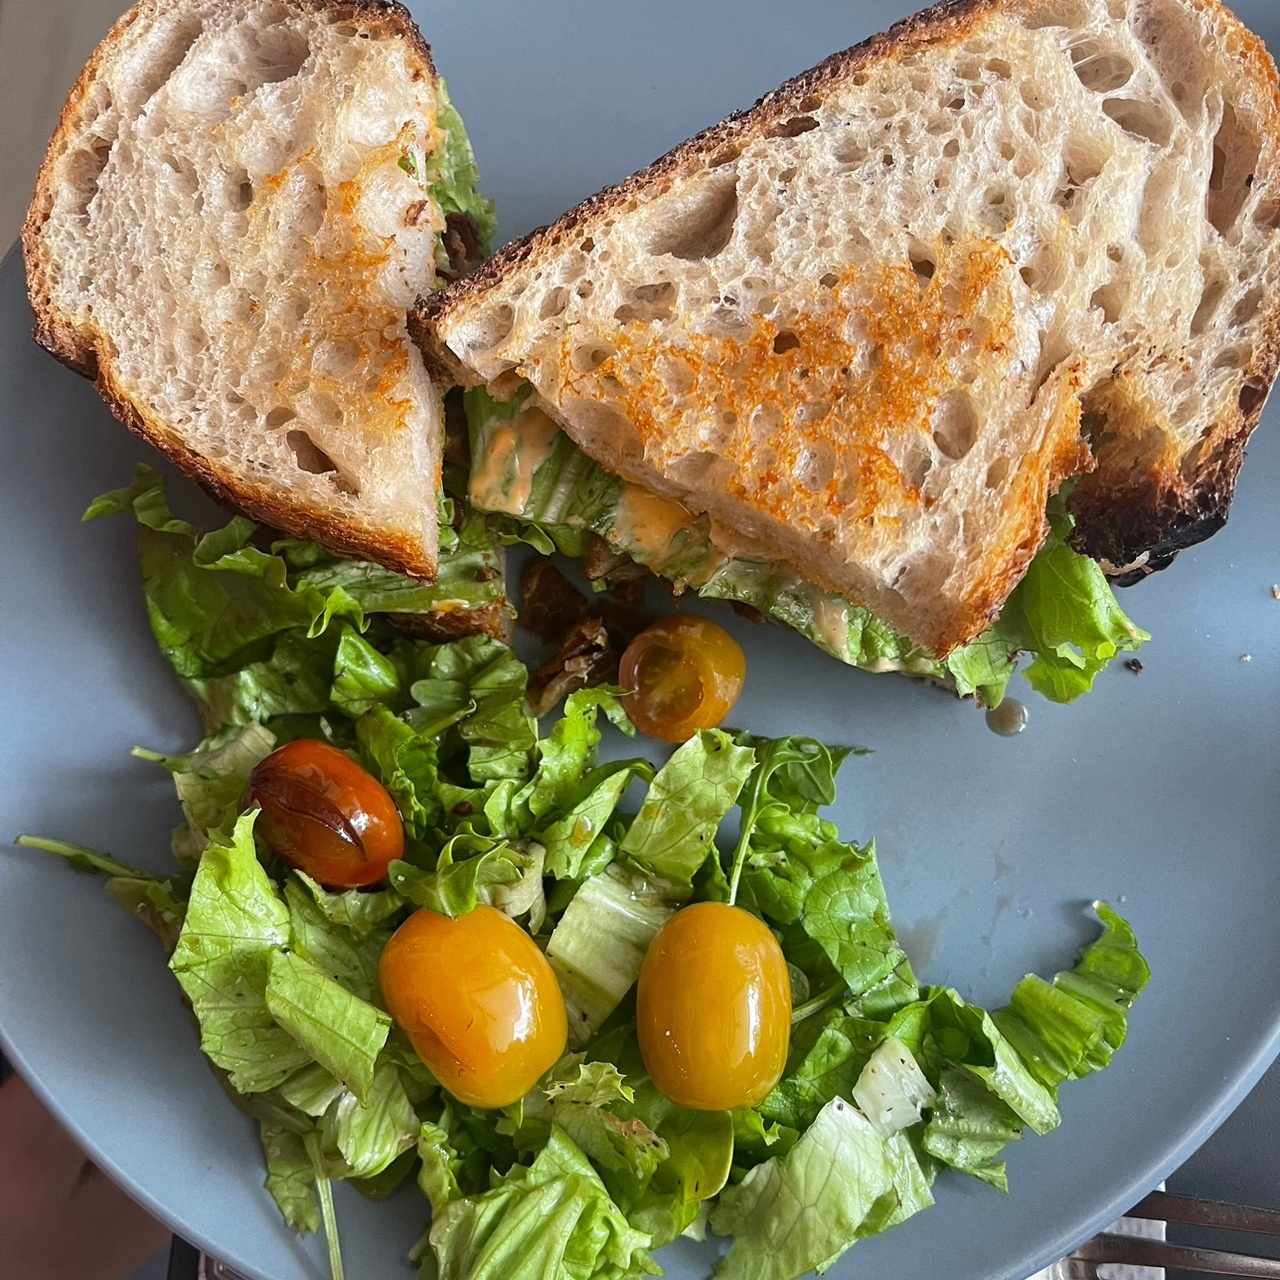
[[478, 1001], [682, 674], [325, 815], [713, 1008]]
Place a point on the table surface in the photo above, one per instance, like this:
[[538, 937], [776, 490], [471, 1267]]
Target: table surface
[[1241, 1162]]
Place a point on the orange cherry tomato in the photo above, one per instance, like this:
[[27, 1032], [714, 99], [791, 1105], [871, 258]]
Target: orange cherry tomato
[[478, 1001], [325, 815], [713, 1008], [682, 674]]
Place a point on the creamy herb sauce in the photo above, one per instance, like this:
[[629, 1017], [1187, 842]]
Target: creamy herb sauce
[[645, 524], [502, 480]]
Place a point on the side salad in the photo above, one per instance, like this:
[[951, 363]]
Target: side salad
[[510, 827]]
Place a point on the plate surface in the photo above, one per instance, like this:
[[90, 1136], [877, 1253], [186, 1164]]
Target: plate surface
[[1159, 792]]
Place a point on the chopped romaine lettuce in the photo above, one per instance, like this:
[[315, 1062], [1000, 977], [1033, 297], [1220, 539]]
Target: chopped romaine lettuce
[[235, 923], [239, 624], [599, 943], [802, 1210], [970, 1127], [551, 1218], [892, 1091]]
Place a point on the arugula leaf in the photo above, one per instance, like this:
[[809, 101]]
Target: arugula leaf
[[341, 1032], [568, 751], [599, 944], [499, 730], [804, 1209], [552, 1218], [81, 858], [577, 842], [676, 827], [235, 924], [468, 870], [791, 775], [160, 903], [155, 902]]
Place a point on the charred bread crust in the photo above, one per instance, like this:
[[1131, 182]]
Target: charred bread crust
[[90, 353], [453, 624], [1137, 530], [1118, 522]]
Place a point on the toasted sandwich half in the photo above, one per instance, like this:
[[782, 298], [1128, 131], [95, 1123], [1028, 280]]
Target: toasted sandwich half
[[240, 202], [837, 354]]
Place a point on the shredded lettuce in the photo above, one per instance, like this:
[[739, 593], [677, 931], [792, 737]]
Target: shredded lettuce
[[1063, 614]]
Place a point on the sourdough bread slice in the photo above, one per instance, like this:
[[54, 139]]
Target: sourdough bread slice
[[875, 321], [227, 229]]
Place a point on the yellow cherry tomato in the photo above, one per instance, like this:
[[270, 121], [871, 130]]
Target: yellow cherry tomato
[[478, 1001], [682, 674], [323, 813], [713, 1008]]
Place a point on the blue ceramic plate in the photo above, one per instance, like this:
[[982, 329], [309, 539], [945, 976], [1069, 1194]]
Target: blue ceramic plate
[[1158, 791]]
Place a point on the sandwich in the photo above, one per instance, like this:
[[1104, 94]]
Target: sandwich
[[239, 204], [921, 353]]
